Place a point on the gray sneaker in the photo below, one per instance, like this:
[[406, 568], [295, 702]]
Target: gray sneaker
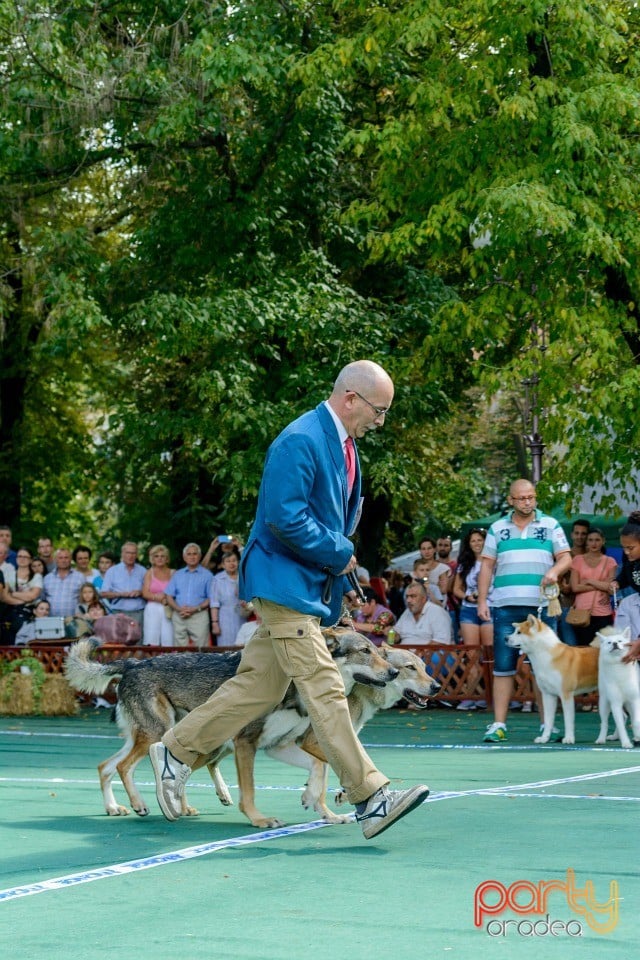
[[171, 776], [384, 807]]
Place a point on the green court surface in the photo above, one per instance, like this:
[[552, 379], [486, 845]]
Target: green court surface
[[76, 883]]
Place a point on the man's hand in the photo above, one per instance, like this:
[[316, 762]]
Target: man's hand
[[353, 563], [633, 653]]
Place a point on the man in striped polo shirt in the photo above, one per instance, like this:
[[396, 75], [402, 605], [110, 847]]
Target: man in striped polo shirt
[[524, 552]]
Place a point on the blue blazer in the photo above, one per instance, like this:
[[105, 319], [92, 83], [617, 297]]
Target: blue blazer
[[303, 517]]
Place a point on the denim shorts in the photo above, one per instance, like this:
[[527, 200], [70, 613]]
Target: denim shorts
[[506, 658], [469, 614]]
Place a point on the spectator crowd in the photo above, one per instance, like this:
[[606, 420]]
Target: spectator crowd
[[197, 604], [194, 605]]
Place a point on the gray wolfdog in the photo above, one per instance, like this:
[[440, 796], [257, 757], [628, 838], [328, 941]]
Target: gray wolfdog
[[153, 694]]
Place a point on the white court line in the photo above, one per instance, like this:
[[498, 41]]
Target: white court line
[[70, 736], [571, 796], [444, 795], [188, 853], [501, 747]]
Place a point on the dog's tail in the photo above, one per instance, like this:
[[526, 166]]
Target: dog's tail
[[87, 675]]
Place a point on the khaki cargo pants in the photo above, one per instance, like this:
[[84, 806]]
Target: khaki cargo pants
[[287, 647]]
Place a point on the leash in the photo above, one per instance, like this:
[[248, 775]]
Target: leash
[[354, 583]]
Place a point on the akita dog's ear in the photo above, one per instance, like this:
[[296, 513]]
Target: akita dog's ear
[[626, 633], [384, 649], [533, 621]]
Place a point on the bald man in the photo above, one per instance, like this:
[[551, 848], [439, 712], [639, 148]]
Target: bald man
[[293, 571]]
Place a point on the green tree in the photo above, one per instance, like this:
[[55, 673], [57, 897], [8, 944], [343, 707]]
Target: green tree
[[181, 245], [207, 209], [500, 151]]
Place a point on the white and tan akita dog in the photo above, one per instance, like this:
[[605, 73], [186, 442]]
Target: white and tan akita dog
[[560, 671]]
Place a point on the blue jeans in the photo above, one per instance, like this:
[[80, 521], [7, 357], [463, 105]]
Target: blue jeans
[[565, 630], [506, 658]]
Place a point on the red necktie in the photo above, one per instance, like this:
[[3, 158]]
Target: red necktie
[[350, 463]]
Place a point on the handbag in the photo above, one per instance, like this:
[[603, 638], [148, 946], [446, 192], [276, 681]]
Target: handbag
[[578, 618], [76, 627], [49, 628], [117, 628]]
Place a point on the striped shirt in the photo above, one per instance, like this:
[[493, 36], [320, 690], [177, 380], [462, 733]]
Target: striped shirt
[[523, 557]]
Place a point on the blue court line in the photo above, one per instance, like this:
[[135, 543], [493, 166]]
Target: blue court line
[[146, 863]]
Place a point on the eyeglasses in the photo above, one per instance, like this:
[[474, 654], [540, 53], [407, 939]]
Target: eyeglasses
[[379, 411], [523, 499]]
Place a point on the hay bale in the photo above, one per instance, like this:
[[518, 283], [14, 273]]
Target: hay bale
[[17, 696]]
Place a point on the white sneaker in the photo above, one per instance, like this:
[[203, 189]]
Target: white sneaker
[[384, 807], [527, 706], [496, 733], [467, 705], [171, 776]]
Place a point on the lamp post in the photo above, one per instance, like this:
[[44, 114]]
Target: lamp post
[[533, 439]]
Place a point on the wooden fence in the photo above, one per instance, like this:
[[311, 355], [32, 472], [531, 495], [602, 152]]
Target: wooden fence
[[464, 672]]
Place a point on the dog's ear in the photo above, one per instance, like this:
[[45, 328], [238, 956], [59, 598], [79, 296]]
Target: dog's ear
[[333, 644], [384, 649], [626, 633], [532, 620], [597, 640]]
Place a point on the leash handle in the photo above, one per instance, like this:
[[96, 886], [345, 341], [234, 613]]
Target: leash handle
[[354, 583]]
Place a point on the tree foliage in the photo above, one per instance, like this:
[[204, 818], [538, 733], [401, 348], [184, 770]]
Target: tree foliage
[[206, 210], [503, 156]]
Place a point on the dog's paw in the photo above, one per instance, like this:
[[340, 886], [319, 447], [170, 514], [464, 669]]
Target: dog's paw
[[626, 743], [267, 823], [601, 740], [117, 811], [190, 811], [541, 739], [613, 736], [568, 739], [142, 811], [330, 817], [225, 799], [340, 798]]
